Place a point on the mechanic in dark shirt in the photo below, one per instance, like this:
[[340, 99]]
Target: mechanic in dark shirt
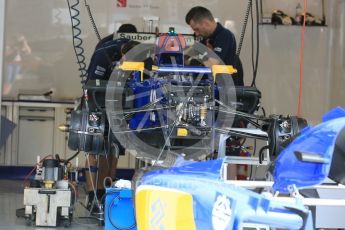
[[219, 39], [107, 53], [223, 43]]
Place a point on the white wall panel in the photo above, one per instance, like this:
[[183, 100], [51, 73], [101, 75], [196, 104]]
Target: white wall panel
[[52, 64], [338, 57], [278, 76]]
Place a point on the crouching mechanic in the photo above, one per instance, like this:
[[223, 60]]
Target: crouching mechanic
[[107, 53]]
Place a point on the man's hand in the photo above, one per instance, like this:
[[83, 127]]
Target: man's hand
[[211, 61]]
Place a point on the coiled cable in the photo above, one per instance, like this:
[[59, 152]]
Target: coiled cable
[[77, 40], [117, 198]]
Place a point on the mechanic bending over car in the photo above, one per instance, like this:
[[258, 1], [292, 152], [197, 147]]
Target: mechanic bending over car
[[223, 43], [219, 39], [107, 53]]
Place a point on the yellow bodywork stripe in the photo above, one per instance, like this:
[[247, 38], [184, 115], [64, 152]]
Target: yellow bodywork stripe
[[133, 66], [161, 208]]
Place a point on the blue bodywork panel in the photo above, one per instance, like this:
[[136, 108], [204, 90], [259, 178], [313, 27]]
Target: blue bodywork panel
[[218, 204], [318, 140]]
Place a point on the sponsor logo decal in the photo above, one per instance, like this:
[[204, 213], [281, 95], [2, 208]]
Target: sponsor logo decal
[[221, 212], [121, 3]]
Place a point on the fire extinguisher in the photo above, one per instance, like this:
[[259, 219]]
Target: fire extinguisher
[[242, 169]]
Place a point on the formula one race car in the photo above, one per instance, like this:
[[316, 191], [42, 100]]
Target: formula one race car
[[171, 108]]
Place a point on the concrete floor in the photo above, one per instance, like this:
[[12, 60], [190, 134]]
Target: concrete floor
[[11, 198]]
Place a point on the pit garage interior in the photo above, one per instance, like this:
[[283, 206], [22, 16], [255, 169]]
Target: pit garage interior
[[108, 127]]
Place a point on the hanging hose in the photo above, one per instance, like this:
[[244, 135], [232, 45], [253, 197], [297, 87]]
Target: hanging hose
[[77, 40], [92, 20], [252, 40], [244, 27], [257, 45]]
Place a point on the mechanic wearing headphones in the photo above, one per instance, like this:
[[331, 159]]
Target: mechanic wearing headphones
[[217, 38]]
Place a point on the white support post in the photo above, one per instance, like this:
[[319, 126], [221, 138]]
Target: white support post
[[2, 44]]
